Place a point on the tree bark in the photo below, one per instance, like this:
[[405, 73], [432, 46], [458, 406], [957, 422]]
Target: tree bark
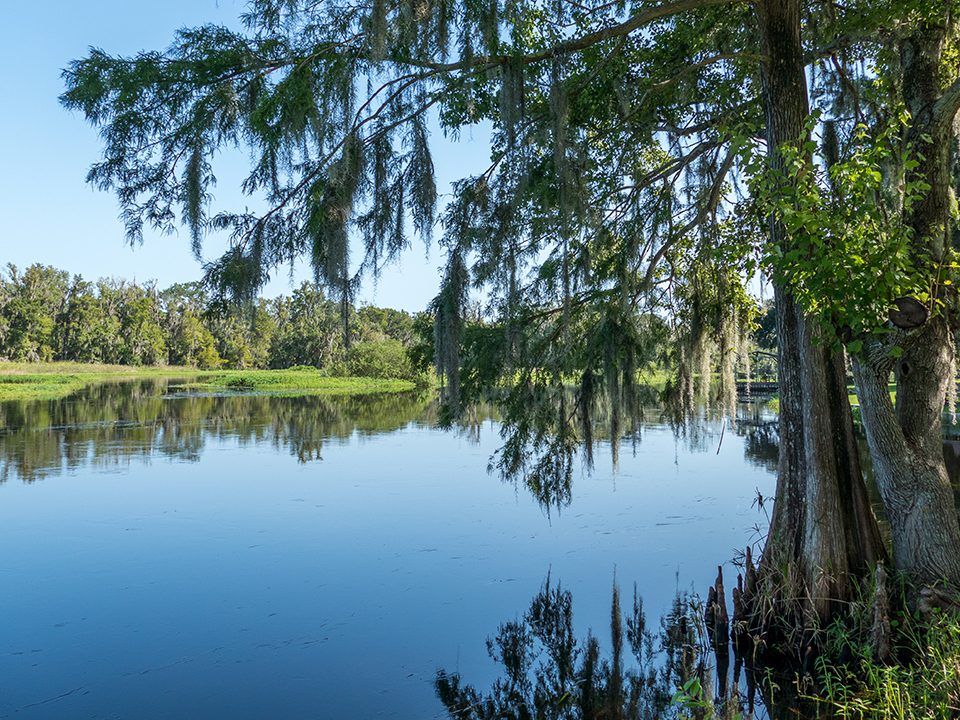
[[823, 526], [907, 449], [906, 440]]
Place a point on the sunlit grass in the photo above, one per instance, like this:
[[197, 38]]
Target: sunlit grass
[[47, 381], [295, 382], [924, 683]]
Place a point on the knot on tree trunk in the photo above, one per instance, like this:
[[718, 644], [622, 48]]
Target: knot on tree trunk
[[909, 313]]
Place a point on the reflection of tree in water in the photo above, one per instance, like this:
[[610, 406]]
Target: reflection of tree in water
[[105, 425], [761, 442], [541, 454], [547, 674]]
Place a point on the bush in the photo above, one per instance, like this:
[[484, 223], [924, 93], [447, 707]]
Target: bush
[[380, 359]]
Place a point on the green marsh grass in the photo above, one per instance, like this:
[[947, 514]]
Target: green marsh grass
[[49, 381]]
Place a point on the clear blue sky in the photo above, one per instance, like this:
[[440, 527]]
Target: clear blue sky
[[47, 212]]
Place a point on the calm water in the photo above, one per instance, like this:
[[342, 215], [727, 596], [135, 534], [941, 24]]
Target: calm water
[[167, 556]]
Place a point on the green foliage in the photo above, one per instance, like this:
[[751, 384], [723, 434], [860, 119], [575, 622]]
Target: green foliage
[[297, 382], [27, 381], [380, 359], [189, 341], [31, 301], [33, 381], [308, 330], [850, 254], [375, 323], [922, 682], [766, 330], [44, 316], [422, 346]]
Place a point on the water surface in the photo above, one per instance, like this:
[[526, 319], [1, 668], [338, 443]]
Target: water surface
[[173, 556]]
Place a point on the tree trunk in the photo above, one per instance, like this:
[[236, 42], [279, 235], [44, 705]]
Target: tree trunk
[[823, 531], [906, 441], [907, 450]]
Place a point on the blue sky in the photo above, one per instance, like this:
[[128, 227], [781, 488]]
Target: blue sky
[[47, 212]]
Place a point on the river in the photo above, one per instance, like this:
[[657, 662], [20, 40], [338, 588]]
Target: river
[[168, 555]]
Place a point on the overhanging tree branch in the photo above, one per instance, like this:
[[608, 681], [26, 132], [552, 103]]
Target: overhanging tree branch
[[636, 22]]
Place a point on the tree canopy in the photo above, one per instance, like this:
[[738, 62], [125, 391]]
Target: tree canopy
[[47, 315], [647, 159]]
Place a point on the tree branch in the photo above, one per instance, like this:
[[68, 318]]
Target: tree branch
[[713, 200], [645, 17], [945, 109]]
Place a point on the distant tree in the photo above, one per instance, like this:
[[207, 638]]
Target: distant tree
[[189, 342], [421, 347], [185, 296], [80, 332], [110, 296], [309, 330], [34, 299], [376, 322], [386, 358], [136, 315], [261, 328]]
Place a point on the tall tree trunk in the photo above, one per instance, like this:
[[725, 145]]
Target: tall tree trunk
[[906, 440], [823, 526]]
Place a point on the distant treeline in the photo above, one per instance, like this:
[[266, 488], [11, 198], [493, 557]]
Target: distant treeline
[[47, 314]]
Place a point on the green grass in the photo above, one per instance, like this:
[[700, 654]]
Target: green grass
[[774, 402], [656, 378], [922, 682], [295, 382], [49, 381], [855, 401]]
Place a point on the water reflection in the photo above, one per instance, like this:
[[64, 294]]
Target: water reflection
[[547, 673], [545, 465], [110, 424], [340, 585]]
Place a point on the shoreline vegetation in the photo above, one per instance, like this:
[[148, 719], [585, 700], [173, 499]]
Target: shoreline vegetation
[[55, 380], [48, 315], [295, 381]]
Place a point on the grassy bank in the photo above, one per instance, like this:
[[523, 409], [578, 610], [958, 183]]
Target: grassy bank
[[294, 382], [47, 381]]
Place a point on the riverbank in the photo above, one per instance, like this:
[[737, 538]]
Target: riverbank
[[295, 382], [48, 381]]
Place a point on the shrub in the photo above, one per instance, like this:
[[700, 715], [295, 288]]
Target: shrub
[[380, 359]]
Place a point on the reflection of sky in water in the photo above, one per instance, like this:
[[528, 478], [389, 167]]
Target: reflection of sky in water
[[243, 583]]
